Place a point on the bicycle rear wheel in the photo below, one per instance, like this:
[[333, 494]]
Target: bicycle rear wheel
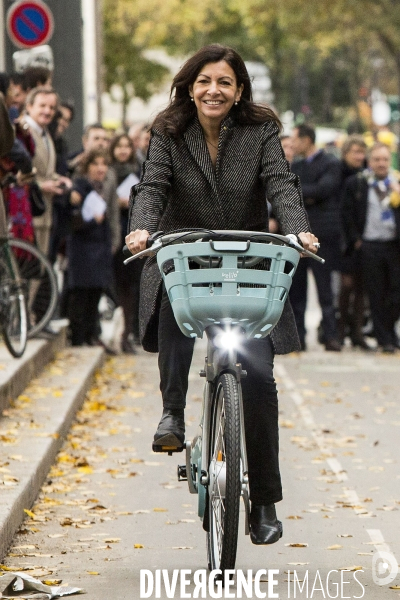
[[224, 472], [13, 316], [40, 284]]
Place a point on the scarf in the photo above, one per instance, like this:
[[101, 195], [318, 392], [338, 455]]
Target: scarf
[[19, 212]]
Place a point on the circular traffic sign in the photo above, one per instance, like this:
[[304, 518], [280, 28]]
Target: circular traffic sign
[[29, 23]]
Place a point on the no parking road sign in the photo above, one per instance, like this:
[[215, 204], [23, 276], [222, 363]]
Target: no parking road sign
[[29, 23]]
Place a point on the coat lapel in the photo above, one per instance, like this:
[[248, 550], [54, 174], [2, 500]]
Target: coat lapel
[[196, 143]]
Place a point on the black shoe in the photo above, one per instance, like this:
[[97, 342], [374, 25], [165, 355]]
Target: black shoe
[[264, 526], [333, 346], [388, 349], [360, 342], [170, 434], [127, 346], [136, 340]]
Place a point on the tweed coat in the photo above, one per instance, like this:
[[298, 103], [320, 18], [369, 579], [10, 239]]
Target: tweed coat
[[180, 188]]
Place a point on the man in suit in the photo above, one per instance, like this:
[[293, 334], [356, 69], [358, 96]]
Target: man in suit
[[320, 178], [41, 106], [371, 223]]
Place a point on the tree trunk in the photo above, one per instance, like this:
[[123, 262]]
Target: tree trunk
[[125, 103]]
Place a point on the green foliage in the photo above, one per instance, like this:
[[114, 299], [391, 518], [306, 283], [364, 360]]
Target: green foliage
[[124, 61], [317, 56]]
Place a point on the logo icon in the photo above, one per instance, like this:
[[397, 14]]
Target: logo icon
[[384, 568], [230, 275]]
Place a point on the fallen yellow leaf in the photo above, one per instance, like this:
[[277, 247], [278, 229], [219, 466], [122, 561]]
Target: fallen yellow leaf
[[87, 470]]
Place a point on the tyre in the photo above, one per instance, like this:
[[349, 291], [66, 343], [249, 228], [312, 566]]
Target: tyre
[[224, 475], [13, 315], [40, 284]]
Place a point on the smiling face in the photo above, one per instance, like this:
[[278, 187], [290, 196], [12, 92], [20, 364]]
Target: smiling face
[[43, 108], [214, 92], [123, 150]]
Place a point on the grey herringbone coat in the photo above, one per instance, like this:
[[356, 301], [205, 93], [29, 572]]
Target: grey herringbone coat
[[181, 189]]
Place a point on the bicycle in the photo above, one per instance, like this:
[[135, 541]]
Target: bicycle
[[230, 300], [39, 283], [13, 311]]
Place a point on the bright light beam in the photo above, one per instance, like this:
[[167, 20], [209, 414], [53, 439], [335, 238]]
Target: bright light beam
[[228, 339]]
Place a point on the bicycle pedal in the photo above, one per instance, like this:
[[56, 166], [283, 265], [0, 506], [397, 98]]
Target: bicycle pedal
[[169, 449]]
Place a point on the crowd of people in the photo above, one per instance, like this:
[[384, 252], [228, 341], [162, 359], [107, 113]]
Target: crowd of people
[[75, 205], [353, 205]]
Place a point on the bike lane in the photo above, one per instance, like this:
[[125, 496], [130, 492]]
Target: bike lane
[[111, 507]]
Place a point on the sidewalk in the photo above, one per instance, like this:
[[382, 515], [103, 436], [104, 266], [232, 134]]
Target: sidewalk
[[39, 396]]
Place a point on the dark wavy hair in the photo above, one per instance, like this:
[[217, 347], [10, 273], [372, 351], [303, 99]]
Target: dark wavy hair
[[115, 141], [89, 158], [174, 120]]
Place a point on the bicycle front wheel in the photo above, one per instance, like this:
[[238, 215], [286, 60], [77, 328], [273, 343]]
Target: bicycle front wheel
[[13, 317], [40, 284], [224, 475]]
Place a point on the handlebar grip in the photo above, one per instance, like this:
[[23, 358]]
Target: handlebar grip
[[149, 242]]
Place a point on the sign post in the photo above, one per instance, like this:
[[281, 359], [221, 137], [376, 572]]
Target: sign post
[[75, 50], [29, 23]]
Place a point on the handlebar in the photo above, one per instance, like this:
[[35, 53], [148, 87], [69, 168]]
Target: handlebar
[[159, 239]]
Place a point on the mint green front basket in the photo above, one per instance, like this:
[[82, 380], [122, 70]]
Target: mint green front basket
[[227, 293]]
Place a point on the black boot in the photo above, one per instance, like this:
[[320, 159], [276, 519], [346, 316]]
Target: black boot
[[264, 526], [170, 434]]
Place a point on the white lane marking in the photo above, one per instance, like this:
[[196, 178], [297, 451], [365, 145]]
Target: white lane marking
[[352, 496], [378, 540], [337, 469], [308, 418]]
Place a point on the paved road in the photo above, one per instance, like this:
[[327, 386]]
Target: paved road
[[340, 426]]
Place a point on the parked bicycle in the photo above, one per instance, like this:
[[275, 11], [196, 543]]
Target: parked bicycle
[[13, 311], [39, 283], [214, 287]]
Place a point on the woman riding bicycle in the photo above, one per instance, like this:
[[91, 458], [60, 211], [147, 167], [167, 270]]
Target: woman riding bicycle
[[214, 158]]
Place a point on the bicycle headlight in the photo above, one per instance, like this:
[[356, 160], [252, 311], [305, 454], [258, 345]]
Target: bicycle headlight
[[228, 339]]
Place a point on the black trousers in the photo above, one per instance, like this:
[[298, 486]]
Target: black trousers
[[323, 280], [83, 314], [260, 400], [381, 272]]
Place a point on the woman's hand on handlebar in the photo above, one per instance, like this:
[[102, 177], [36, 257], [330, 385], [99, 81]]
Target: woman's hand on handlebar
[[137, 240], [309, 242]]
